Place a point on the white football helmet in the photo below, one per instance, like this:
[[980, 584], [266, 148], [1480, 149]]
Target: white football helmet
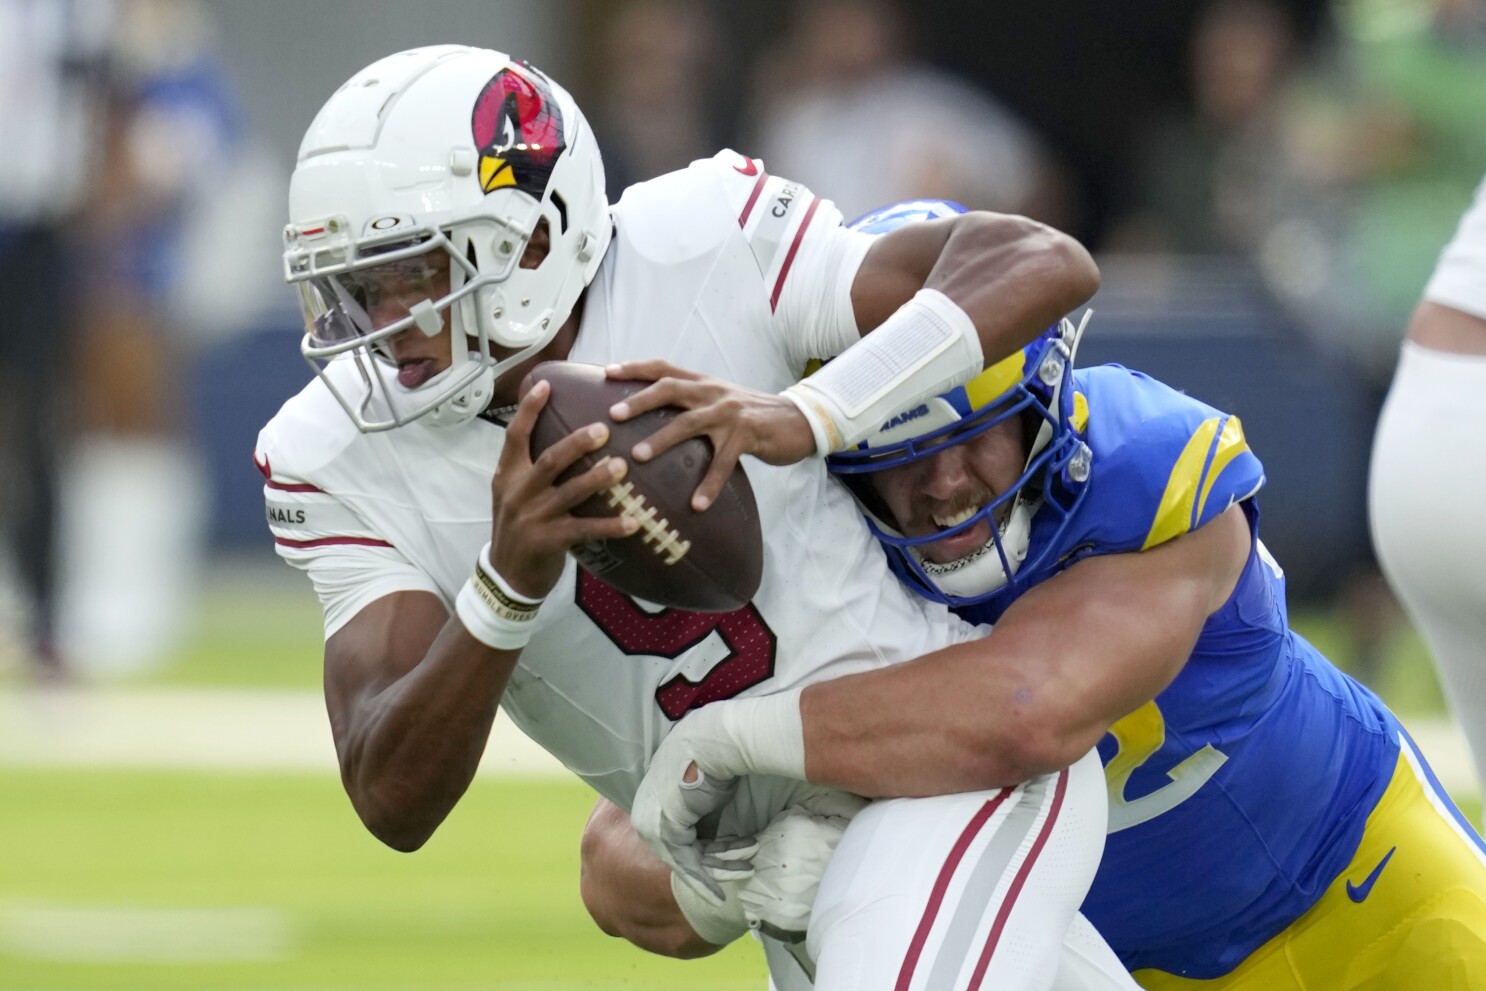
[[434, 152]]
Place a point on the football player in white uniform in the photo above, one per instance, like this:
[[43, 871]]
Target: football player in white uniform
[[449, 230], [1429, 420]]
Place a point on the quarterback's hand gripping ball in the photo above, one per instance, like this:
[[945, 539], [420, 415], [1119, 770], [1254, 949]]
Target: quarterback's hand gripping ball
[[701, 562]]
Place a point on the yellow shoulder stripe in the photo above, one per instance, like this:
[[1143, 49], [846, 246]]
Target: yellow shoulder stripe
[[1188, 487], [1174, 514], [1231, 444]]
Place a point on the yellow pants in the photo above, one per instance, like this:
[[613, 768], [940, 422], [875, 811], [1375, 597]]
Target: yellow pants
[[1420, 924]]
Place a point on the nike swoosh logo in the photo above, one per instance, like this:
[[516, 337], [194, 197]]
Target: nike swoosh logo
[[1359, 892], [750, 169]]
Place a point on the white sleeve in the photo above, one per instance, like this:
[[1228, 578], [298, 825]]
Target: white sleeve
[[806, 259], [815, 314], [349, 564], [349, 578], [1459, 280]]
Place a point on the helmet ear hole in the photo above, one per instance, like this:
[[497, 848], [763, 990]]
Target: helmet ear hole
[[1032, 425], [465, 320], [538, 246]]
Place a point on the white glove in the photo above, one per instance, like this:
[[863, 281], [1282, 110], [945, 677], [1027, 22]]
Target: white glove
[[793, 851], [725, 740], [719, 924]]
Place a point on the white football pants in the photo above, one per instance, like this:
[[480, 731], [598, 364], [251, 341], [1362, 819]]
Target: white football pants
[[1426, 494], [963, 892]]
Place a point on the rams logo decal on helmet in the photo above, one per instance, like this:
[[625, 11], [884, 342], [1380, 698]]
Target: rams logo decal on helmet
[[517, 127]]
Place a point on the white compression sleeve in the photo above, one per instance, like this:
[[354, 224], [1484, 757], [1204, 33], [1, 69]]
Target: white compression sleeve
[[928, 346]]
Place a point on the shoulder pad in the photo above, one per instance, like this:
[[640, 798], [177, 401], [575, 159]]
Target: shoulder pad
[[683, 214], [306, 433], [1164, 463], [1214, 470], [292, 451], [772, 212]]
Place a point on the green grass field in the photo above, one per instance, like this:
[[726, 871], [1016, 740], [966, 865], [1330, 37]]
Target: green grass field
[[143, 880], [147, 881]]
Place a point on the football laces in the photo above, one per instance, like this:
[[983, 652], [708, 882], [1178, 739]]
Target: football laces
[[666, 538]]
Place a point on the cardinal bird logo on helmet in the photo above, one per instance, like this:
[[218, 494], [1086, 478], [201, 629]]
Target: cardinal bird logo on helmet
[[517, 126]]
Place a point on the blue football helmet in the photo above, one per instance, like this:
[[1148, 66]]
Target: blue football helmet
[[890, 218], [1036, 385]]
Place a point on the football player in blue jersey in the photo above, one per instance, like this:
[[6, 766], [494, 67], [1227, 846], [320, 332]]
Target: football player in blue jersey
[[1272, 825]]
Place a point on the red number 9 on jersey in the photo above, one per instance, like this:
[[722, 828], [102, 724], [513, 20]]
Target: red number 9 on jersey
[[671, 632]]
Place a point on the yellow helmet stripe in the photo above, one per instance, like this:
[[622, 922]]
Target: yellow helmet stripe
[[1080, 415], [994, 381], [1174, 514]]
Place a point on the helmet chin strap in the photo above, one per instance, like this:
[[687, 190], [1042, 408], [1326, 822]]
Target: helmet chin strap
[[470, 401], [981, 571], [466, 404]]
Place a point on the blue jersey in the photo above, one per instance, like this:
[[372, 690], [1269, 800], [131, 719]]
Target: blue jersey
[[1241, 792]]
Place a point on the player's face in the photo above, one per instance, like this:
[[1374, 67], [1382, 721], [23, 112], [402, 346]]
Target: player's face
[[388, 293], [946, 489]]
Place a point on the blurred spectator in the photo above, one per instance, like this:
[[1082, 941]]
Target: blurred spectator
[[1414, 83], [653, 113], [846, 110], [1333, 169], [1264, 173], [51, 69], [134, 497], [1228, 177], [1253, 172]]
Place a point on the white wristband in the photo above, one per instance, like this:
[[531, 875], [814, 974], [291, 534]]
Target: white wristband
[[767, 733], [492, 611], [929, 345], [822, 424]]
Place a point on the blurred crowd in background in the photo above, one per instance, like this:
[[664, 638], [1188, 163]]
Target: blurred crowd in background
[[1266, 183]]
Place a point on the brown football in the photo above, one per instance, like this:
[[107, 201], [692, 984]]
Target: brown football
[[702, 562]]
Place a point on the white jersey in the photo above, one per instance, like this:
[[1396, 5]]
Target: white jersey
[[1458, 281], [719, 268]]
